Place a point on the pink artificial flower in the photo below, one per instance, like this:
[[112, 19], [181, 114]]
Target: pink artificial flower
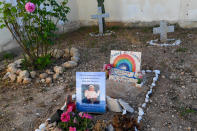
[[30, 7], [107, 67], [71, 107], [65, 117], [81, 114], [86, 115], [72, 128], [74, 121]]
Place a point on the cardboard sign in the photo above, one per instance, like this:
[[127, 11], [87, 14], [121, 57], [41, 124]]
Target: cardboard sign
[[126, 66]]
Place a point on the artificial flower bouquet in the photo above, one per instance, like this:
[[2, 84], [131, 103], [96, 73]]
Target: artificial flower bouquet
[[71, 120]]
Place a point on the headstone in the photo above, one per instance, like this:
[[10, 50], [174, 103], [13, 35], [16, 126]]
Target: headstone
[[100, 17], [163, 30], [126, 66]]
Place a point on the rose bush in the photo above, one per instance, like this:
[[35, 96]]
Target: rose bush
[[33, 25]]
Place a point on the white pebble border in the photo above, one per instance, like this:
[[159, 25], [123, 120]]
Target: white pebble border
[[108, 33], [154, 43], [140, 109]]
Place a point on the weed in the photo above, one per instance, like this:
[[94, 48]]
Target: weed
[[181, 50], [186, 111]]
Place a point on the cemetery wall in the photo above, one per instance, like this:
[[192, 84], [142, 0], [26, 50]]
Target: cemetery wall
[[126, 12]]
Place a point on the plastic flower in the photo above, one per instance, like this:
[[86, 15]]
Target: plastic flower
[[72, 128], [30, 7], [65, 117], [108, 67], [86, 115], [71, 107], [81, 114]]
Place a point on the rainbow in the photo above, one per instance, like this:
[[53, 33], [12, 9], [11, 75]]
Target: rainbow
[[125, 60]]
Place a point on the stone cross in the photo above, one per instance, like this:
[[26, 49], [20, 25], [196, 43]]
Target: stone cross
[[163, 30], [100, 16]]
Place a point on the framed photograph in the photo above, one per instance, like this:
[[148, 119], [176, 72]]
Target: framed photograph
[[90, 91]]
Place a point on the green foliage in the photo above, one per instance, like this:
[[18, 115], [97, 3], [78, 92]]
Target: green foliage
[[40, 63], [43, 61], [8, 56], [185, 111], [34, 32], [139, 81], [181, 50]]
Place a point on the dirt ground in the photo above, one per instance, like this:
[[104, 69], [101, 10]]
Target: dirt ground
[[173, 105]]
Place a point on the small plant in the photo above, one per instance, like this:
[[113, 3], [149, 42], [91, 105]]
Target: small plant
[[74, 121], [181, 50], [139, 81], [187, 111], [8, 56]]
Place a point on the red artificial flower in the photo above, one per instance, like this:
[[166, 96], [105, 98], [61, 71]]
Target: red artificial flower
[[72, 128], [71, 107]]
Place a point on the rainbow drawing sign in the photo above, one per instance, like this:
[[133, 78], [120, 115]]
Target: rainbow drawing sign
[[126, 65]]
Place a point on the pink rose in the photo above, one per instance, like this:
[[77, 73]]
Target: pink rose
[[65, 117], [30, 7], [72, 128]]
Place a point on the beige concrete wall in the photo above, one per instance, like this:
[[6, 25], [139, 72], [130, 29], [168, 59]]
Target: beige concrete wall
[[183, 12]]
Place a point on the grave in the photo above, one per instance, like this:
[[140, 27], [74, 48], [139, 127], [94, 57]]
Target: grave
[[163, 30]]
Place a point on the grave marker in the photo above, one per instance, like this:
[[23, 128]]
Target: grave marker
[[100, 17], [163, 30]]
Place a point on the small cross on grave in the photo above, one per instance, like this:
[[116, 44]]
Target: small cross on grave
[[163, 30], [100, 16]]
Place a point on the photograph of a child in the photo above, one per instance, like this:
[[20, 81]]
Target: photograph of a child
[[90, 94]]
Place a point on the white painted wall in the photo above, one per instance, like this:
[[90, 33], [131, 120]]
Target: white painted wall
[[183, 12]]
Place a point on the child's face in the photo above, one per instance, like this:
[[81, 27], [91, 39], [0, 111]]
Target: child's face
[[91, 88]]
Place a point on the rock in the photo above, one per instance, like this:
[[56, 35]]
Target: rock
[[42, 126], [26, 80], [58, 69], [70, 64], [113, 105], [56, 76], [33, 74], [48, 80], [75, 58], [24, 74], [19, 79], [57, 53], [12, 77], [6, 76], [12, 68], [18, 71], [49, 72], [110, 128], [18, 62], [195, 74], [73, 51], [126, 106], [66, 52], [43, 80], [43, 75]]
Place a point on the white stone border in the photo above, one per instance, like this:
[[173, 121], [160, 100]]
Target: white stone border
[[154, 43], [108, 33], [140, 109]]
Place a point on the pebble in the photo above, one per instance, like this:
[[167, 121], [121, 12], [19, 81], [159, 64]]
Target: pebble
[[33, 74], [70, 64], [58, 69], [24, 74], [56, 76], [43, 75], [48, 80], [12, 77], [57, 53], [27, 80]]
